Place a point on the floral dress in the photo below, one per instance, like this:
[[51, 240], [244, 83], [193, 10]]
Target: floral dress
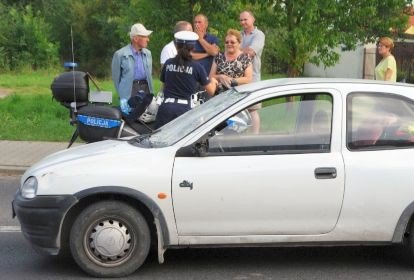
[[234, 68]]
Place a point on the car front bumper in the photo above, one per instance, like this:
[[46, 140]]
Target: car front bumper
[[41, 219]]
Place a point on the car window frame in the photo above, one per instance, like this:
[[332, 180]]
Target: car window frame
[[200, 146], [349, 128]]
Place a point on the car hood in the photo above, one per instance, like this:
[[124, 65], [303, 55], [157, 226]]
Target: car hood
[[103, 147], [105, 163], [87, 151]]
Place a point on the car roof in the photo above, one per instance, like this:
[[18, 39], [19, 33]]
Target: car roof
[[312, 81]]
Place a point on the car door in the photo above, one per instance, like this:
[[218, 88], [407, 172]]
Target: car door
[[287, 179], [378, 159]]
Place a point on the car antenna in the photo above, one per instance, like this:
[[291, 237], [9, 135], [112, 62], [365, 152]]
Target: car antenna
[[73, 71]]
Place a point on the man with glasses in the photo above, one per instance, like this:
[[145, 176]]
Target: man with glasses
[[132, 66]]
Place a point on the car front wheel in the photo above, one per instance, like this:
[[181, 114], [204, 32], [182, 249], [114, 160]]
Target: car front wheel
[[110, 239]]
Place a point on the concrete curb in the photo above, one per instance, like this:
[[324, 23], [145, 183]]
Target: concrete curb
[[17, 156], [7, 170]]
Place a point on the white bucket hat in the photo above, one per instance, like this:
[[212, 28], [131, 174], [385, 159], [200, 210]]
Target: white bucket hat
[[139, 30]]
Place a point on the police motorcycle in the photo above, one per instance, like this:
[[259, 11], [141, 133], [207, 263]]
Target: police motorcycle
[[92, 113]]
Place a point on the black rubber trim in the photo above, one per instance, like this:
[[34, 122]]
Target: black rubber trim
[[401, 227], [41, 219]]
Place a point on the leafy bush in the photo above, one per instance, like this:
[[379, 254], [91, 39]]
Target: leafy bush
[[31, 45]]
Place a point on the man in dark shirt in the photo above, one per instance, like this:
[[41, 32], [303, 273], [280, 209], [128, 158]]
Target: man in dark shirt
[[206, 48]]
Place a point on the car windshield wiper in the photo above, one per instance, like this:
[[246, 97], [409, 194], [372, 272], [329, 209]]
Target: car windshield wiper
[[143, 137], [139, 138]]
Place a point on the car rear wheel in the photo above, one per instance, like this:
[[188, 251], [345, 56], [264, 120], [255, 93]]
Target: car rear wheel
[[110, 239]]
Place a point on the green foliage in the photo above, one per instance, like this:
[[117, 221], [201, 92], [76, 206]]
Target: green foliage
[[94, 34], [310, 29], [30, 112], [33, 117], [157, 15], [297, 31], [25, 39]]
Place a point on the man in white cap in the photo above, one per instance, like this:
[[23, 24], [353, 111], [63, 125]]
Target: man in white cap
[[132, 66], [181, 77]]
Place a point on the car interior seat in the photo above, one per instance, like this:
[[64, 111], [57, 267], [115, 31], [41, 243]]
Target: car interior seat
[[368, 133], [321, 123]]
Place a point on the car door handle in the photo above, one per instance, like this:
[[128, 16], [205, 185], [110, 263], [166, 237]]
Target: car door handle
[[325, 173], [186, 184]]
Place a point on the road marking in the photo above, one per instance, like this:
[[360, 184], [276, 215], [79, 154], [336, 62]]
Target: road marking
[[10, 229]]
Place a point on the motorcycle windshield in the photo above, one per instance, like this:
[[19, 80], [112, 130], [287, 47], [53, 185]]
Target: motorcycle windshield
[[180, 127]]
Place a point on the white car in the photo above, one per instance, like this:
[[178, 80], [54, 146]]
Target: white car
[[332, 163]]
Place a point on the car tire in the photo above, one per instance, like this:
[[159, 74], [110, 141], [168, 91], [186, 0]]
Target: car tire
[[110, 239], [409, 242]]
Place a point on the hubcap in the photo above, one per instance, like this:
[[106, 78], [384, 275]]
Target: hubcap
[[110, 241]]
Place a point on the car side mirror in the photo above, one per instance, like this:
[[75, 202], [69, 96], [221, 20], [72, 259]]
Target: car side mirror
[[197, 149]]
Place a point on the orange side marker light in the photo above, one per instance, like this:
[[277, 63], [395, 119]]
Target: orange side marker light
[[162, 195]]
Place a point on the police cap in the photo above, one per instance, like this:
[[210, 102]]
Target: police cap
[[186, 37]]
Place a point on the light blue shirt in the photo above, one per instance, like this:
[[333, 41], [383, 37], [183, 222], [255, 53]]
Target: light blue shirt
[[139, 72], [256, 41], [123, 70]]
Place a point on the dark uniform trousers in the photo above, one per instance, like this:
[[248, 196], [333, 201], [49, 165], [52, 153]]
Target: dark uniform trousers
[[169, 111]]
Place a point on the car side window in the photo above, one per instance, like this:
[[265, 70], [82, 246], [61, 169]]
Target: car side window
[[288, 124], [379, 121]]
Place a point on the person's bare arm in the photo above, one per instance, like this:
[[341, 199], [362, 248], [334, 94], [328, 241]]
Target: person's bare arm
[[211, 49], [388, 75], [249, 51], [247, 77], [198, 56], [221, 78], [256, 46], [211, 87], [213, 70]]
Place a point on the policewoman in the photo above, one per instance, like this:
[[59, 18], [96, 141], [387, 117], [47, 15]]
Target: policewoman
[[180, 77]]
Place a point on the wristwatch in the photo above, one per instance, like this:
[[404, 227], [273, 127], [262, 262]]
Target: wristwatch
[[234, 83]]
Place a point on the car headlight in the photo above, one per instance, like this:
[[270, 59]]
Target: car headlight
[[29, 188]]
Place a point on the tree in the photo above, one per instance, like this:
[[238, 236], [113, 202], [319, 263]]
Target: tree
[[311, 29], [297, 31], [161, 16], [94, 33], [25, 39]]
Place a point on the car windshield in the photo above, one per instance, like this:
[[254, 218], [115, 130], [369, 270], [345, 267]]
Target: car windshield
[[175, 130]]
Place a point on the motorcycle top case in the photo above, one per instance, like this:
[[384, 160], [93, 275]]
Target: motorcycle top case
[[63, 87], [98, 122]]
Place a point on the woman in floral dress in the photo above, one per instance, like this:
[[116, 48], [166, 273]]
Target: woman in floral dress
[[232, 67]]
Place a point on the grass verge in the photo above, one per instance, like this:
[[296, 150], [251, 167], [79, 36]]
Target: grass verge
[[30, 113]]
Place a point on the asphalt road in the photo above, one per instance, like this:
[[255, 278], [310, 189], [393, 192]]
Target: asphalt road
[[19, 261]]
